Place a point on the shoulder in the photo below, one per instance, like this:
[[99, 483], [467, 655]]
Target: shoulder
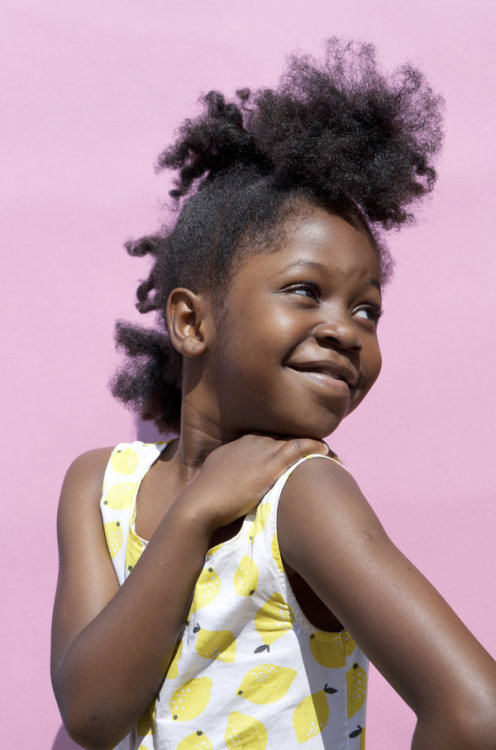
[[88, 469], [82, 485], [320, 477], [331, 537], [322, 505]]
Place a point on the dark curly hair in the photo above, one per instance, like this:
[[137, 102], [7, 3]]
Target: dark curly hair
[[337, 133]]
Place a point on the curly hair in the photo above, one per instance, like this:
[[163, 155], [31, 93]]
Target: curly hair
[[337, 133]]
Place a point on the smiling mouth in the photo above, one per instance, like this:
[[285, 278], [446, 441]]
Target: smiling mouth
[[325, 372], [333, 383]]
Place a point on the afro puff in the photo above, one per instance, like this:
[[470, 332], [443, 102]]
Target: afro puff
[[337, 133]]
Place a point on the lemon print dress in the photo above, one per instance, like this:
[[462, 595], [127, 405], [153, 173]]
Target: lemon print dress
[[249, 671]]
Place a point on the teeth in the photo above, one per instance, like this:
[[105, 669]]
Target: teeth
[[331, 374], [328, 373]]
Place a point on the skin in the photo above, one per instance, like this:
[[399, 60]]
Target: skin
[[293, 318], [295, 353]]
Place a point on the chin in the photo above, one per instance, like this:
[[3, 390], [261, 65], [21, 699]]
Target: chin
[[314, 429]]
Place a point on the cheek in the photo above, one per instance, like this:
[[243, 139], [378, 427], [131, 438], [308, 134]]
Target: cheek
[[373, 365], [264, 333]]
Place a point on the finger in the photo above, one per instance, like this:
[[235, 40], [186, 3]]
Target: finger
[[300, 447], [326, 451], [320, 447]]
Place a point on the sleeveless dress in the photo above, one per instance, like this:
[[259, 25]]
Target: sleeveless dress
[[249, 671]]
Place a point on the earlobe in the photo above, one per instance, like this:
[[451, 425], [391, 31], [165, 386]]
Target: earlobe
[[186, 322]]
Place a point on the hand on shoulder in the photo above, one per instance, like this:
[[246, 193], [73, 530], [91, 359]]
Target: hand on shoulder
[[236, 475]]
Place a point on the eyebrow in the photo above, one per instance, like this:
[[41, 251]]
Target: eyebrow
[[314, 266], [310, 264], [376, 284]]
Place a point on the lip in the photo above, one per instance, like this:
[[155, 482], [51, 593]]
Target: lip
[[333, 386], [325, 371]]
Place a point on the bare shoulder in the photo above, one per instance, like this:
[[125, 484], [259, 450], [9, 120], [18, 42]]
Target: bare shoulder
[[86, 579], [322, 495], [89, 466], [325, 520], [80, 494], [321, 474], [330, 536], [84, 477]]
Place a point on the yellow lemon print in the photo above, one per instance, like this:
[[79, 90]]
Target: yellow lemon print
[[356, 683], [359, 732], [272, 620], [331, 649], [276, 554], [195, 741], [190, 699], [120, 496], [266, 683], [173, 671], [246, 577], [215, 644], [146, 725], [312, 714], [124, 460], [134, 548], [258, 525], [206, 589], [245, 732], [113, 535]]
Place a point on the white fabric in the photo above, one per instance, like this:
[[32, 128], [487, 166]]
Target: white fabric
[[250, 670]]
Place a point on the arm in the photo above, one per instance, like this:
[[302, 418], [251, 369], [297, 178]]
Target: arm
[[334, 540], [103, 681]]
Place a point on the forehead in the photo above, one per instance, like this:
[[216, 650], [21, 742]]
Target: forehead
[[319, 241]]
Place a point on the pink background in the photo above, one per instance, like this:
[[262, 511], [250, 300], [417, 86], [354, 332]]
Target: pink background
[[92, 92]]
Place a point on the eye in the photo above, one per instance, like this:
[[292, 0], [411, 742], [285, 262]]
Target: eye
[[369, 312], [307, 289]]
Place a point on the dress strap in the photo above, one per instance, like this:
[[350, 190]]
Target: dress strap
[[127, 465]]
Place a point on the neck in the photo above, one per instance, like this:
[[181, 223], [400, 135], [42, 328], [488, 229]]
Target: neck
[[199, 436]]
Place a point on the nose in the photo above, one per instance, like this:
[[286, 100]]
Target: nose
[[338, 332]]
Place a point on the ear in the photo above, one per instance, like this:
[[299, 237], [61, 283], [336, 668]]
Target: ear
[[187, 321]]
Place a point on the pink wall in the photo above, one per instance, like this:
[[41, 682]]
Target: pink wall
[[92, 91]]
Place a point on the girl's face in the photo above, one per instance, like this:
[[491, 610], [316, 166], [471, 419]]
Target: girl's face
[[297, 350]]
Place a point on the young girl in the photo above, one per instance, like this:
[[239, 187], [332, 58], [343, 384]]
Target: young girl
[[239, 580]]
